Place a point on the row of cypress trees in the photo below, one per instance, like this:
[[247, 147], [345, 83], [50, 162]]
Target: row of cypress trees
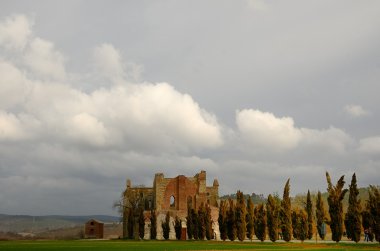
[[242, 220]]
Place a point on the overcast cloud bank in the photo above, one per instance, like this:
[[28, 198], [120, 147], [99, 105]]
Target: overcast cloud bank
[[67, 145]]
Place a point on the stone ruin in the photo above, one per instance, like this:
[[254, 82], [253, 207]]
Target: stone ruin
[[173, 195]]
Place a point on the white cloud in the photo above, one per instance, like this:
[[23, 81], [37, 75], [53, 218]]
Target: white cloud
[[108, 61], [370, 145], [13, 85], [266, 131], [11, 127], [356, 111], [44, 60], [15, 31]]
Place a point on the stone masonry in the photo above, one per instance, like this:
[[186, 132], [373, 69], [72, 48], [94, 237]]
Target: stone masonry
[[173, 195]]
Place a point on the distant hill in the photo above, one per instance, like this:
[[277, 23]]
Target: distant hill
[[256, 198], [37, 224]]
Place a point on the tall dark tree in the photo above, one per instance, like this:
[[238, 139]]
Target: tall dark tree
[[336, 195], [373, 207], [189, 223], [202, 222], [367, 223], [231, 221], [195, 220], [153, 225], [250, 218], [130, 223], [260, 222], [295, 224], [320, 215], [177, 227], [141, 224], [352, 219], [208, 223], [285, 214], [240, 212], [166, 226], [309, 213], [222, 219], [272, 218], [302, 227]]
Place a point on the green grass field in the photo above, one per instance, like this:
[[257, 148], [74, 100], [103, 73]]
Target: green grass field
[[174, 245]]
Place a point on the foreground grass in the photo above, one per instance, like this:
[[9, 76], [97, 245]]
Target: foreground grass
[[174, 245]]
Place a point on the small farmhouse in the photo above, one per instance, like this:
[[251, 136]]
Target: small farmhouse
[[94, 229]]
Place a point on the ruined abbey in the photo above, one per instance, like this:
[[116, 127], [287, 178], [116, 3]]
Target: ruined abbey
[[173, 195]]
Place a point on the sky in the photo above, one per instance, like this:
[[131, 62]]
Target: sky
[[253, 92]]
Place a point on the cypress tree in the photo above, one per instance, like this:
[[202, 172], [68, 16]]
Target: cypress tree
[[373, 207], [194, 216], [131, 223], [202, 222], [352, 219], [367, 223], [295, 224], [250, 218], [320, 214], [189, 223], [222, 220], [309, 212], [231, 221], [240, 212], [272, 218], [285, 214], [208, 223], [302, 227], [177, 227], [260, 222], [141, 224], [153, 225], [336, 195], [166, 226]]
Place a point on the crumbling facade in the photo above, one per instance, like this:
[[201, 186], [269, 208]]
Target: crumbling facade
[[173, 195]]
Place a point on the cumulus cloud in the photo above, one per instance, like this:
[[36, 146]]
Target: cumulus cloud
[[356, 111], [44, 60], [15, 31], [265, 130], [107, 60], [370, 145]]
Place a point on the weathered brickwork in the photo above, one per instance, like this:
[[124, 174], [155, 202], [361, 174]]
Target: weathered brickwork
[[174, 195]]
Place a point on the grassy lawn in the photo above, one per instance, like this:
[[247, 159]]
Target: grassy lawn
[[174, 245]]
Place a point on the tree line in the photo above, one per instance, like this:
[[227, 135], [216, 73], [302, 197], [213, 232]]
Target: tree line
[[277, 219]]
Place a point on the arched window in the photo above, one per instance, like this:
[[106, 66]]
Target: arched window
[[172, 201]]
